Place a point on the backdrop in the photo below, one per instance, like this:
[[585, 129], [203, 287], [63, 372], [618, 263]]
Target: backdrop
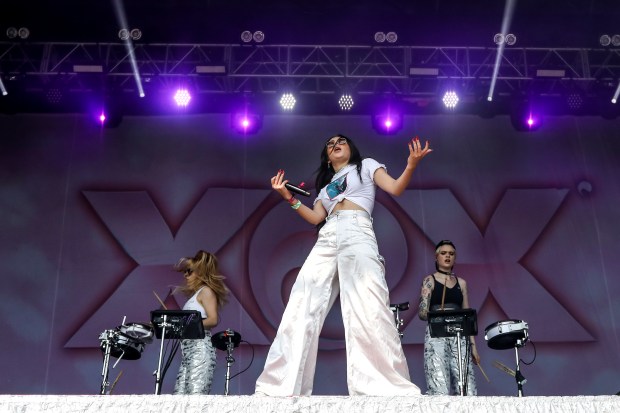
[[92, 221]]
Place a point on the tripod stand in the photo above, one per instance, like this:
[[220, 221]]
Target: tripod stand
[[226, 341], [176, 325], [396, 309]]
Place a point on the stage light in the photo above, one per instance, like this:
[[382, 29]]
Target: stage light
[[246, 123], [511, 39], [387, 123], [287, 101], [391, 37], [498, 39], [524, 119], [450, 99], [615, 40], [23, 33], [574, 101], [379, 37], [258, 36], [246, 36], [136, 34], [123, 34], [3, 88], [53, 95], [182, 97], [345, 102], [11, 32], [605, 40]]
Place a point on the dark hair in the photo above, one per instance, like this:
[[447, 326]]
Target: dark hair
[[444, 242], [325, 172]]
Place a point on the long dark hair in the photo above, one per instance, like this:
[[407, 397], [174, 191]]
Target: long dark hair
[[325, 172]]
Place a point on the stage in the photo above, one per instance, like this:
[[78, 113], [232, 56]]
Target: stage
[[322, 404]]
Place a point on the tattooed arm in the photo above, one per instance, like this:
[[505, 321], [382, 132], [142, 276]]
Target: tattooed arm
[[425, 297]]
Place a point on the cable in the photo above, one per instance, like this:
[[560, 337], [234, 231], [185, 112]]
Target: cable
[[251, 361], [534, 359]]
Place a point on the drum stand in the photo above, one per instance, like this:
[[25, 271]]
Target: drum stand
[[462, 363], [518, 376], [106, 341], [396, 308], [157, 374], [227, 340], [106, 362]]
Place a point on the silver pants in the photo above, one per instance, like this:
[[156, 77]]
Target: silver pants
[[197, 365], [441, 366], [345, 260]]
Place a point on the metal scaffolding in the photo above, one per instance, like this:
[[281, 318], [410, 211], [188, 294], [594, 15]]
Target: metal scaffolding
[[408, 72]]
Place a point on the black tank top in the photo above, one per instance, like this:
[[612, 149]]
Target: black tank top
[[454, 295]]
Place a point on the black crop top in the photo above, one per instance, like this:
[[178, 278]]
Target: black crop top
[[454, 295]]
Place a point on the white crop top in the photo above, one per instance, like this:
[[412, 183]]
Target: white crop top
[[193, 304], [346, 184]]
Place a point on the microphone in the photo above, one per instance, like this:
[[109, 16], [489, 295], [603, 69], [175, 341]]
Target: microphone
[[297, 189]]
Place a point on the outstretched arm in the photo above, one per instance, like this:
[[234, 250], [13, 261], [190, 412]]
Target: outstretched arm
[[314, 216], [397, 186]]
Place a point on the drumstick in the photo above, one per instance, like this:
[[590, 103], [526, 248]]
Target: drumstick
[[160, 301], [483, 373], [505, 369], [443, 296], [115, 381]]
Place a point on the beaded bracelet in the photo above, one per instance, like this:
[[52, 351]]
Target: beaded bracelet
[[296, 205]]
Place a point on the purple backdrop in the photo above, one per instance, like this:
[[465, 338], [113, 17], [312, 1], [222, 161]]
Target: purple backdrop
[[92, 220]]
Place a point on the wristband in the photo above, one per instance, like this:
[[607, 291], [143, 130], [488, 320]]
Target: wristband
[[296, 205]]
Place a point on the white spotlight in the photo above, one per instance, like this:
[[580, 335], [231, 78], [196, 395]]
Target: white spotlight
[[11, 32], [246, 36], [615, 40], [287, 101], [135, 34], [391, 37], [123, 34], [345, 102], [379, 37], [23, 33], [258, 36], [450, 99], [498, 38], [510, 39], [605, 40]]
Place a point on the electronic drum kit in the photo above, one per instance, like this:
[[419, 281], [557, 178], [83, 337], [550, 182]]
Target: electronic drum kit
[[128, 341]]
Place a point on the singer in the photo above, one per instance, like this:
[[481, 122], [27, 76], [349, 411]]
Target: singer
[[208, 294], [345, 260], [444, 290]]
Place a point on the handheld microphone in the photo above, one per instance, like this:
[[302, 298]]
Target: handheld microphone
[[297, 189]]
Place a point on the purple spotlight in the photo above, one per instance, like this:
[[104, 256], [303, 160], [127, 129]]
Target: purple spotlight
[[182, 97], [387, 123], [246, 123], [102, 118]]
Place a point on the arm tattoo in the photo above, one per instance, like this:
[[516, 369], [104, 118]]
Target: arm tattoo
[[425, 298]]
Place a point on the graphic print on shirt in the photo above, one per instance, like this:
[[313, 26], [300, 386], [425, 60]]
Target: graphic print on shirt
[[336, 187]]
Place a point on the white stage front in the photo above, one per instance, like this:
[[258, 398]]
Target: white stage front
[[318, 404]]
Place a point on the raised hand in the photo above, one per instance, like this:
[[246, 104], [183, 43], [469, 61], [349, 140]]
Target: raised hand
[[278, 182], [417, 152]]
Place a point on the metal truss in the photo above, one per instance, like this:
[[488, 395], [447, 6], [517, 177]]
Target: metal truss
[[306, 69]]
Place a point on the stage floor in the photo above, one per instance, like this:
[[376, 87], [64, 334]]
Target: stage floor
[[318, 404]]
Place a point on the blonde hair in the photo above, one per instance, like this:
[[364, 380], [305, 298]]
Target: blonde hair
[[206, 267]]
